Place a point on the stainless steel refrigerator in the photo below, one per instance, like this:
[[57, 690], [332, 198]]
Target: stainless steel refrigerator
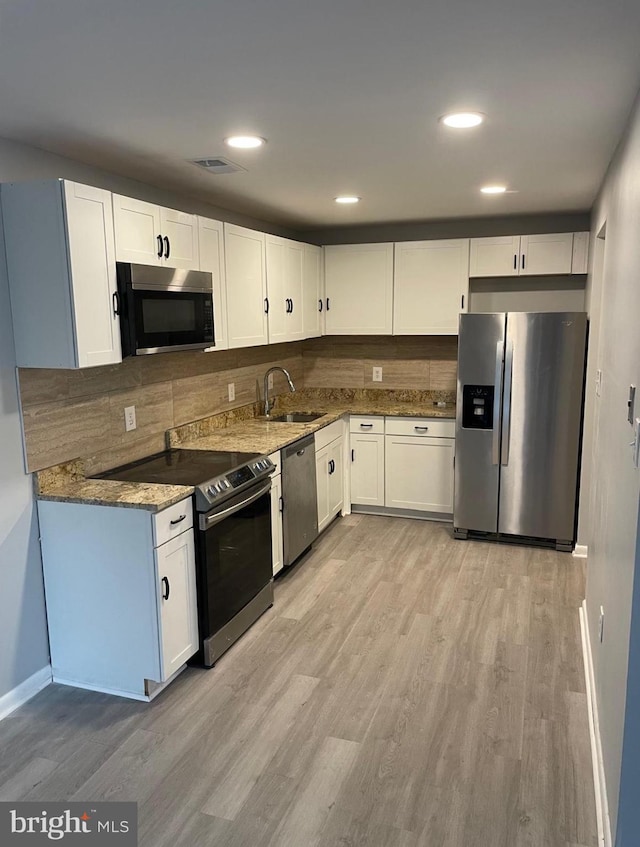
[[518, 425]]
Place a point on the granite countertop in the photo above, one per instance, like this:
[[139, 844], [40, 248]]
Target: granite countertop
[[261, 435], [67, 484]]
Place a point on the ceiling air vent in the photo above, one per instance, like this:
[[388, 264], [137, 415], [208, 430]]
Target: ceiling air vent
[[217, 165]]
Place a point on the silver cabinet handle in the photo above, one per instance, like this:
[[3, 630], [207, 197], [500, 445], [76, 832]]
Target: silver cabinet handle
[[497, 402], [212, 519], [506, 414]]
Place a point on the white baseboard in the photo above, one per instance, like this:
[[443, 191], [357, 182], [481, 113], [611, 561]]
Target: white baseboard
[[25, 691], [580, 551], [103, 689], [602, 804]]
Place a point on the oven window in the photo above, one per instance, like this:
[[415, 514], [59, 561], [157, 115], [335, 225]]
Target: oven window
[[159, 317], [235, 563]]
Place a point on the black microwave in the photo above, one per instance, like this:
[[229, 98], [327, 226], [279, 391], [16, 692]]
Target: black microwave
[[164, 309]]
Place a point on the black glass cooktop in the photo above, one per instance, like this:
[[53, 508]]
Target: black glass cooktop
[[179, 467]]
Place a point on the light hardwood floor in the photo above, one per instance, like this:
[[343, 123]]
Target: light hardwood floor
[[406, 689]]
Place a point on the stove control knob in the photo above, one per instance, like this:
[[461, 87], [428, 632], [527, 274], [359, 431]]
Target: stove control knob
[[211, 491]]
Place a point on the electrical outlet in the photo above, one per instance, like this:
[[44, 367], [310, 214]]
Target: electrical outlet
[[377, 374], [231, 387], [601, 624], [130, 418], [270, 381]]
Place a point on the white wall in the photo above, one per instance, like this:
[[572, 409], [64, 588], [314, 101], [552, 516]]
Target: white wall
[[23, 634], [611, 530]]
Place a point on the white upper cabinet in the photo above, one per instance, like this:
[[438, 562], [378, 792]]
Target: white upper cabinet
[[247, 304], [494, 256], [179, 231], [62, 274], [211, 249], [284, 289], [546, 254], [312, 291], [550, 254], [152, 235], [431, 281], [359, 289]]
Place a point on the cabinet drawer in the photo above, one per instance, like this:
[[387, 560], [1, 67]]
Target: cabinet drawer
[[421, 426], [328, 434], [172, 521], [275, 458], [373, 424]]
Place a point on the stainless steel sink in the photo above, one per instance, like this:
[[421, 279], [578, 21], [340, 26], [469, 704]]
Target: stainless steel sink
[[296, 417]]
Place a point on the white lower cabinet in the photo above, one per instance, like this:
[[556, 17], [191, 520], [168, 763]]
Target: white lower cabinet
[[419, 470], [329, 475], [419, 473], [176, 592], [133, 621], [367, 469], [402, 463], [277, 538]]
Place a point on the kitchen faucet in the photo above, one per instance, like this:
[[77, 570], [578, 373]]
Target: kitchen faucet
[[267, 405]]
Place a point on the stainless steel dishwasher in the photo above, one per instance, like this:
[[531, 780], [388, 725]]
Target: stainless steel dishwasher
[[300, 499]]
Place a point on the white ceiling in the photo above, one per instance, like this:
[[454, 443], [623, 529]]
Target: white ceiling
[[347, 92]]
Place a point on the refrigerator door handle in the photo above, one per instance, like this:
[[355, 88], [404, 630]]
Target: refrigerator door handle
[[495, 453], [506, 413]]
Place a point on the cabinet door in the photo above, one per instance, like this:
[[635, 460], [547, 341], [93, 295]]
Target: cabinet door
[[277, 555], [246, 286], [359, 289], [293, 270], [276, 289], [322, 483], [367, 469], [430, 285], [336, 476], [92, 265], [494, 256], [176, 586], [180, 230], [211, 250], [312, 294], [137, 230], [546, 254], [419, 473]]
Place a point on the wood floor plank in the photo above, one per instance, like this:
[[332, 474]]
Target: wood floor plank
[[318, 792], [228, 797], [27, 778], [406, 690]]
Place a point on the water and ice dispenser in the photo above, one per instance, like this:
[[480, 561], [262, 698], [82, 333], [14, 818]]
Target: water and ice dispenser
[[477, 406]]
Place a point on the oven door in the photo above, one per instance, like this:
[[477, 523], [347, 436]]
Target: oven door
[[234, 559]]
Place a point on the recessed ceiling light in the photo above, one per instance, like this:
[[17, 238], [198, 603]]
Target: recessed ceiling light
[[493, 189], [244, 142], [347, 198], [462, 120]]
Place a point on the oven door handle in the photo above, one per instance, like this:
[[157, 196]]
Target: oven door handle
[[207, 521]]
